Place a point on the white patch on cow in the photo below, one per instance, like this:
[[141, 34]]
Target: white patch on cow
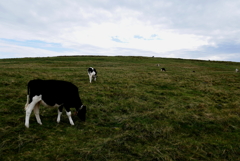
[[46, 105]]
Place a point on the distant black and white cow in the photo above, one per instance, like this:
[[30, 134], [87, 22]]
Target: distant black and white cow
[[163, 69], [53, 93], [92, 73]]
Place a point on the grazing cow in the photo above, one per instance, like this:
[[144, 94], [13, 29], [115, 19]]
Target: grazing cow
[[236, 70], [92, 73], [163, 69], [53, 93]]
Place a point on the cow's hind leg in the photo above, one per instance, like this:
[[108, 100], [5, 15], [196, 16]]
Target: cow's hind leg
[[36, 112], [30, 107], [60, 108]]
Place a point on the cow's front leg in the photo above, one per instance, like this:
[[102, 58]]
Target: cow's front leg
[[69, 116], [90, 78]]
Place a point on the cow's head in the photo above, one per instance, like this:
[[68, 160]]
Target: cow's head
[[81, 112]]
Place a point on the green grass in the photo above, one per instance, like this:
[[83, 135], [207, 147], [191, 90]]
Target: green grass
[[134, 111]]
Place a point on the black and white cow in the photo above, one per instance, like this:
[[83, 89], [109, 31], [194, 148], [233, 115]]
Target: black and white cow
[[92, 73], [163, 69], [53, 93]]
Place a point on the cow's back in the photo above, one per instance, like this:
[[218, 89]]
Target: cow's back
[[54, 92]]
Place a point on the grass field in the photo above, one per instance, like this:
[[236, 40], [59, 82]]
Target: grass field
[[134, 111]]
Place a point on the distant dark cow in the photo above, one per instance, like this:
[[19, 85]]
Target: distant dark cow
[[53, 93], [163, 69], [92, 73]]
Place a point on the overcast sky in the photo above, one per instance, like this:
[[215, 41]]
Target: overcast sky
[[189, 29]]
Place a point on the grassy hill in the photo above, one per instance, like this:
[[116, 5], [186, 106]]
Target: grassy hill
[[134, 111]]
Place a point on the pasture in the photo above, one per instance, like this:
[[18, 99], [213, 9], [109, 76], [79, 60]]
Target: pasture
[[134, 111]]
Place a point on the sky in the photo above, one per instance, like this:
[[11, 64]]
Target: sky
[[187, 29]]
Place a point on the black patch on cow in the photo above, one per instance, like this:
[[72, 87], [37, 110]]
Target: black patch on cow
[[163, 69], [90, 70], [56, 92]]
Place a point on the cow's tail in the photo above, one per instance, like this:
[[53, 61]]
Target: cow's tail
[[28, 93]]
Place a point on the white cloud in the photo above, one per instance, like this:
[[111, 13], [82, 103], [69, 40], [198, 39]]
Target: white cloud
[[173, 28], [222, 57], [15, 51]]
